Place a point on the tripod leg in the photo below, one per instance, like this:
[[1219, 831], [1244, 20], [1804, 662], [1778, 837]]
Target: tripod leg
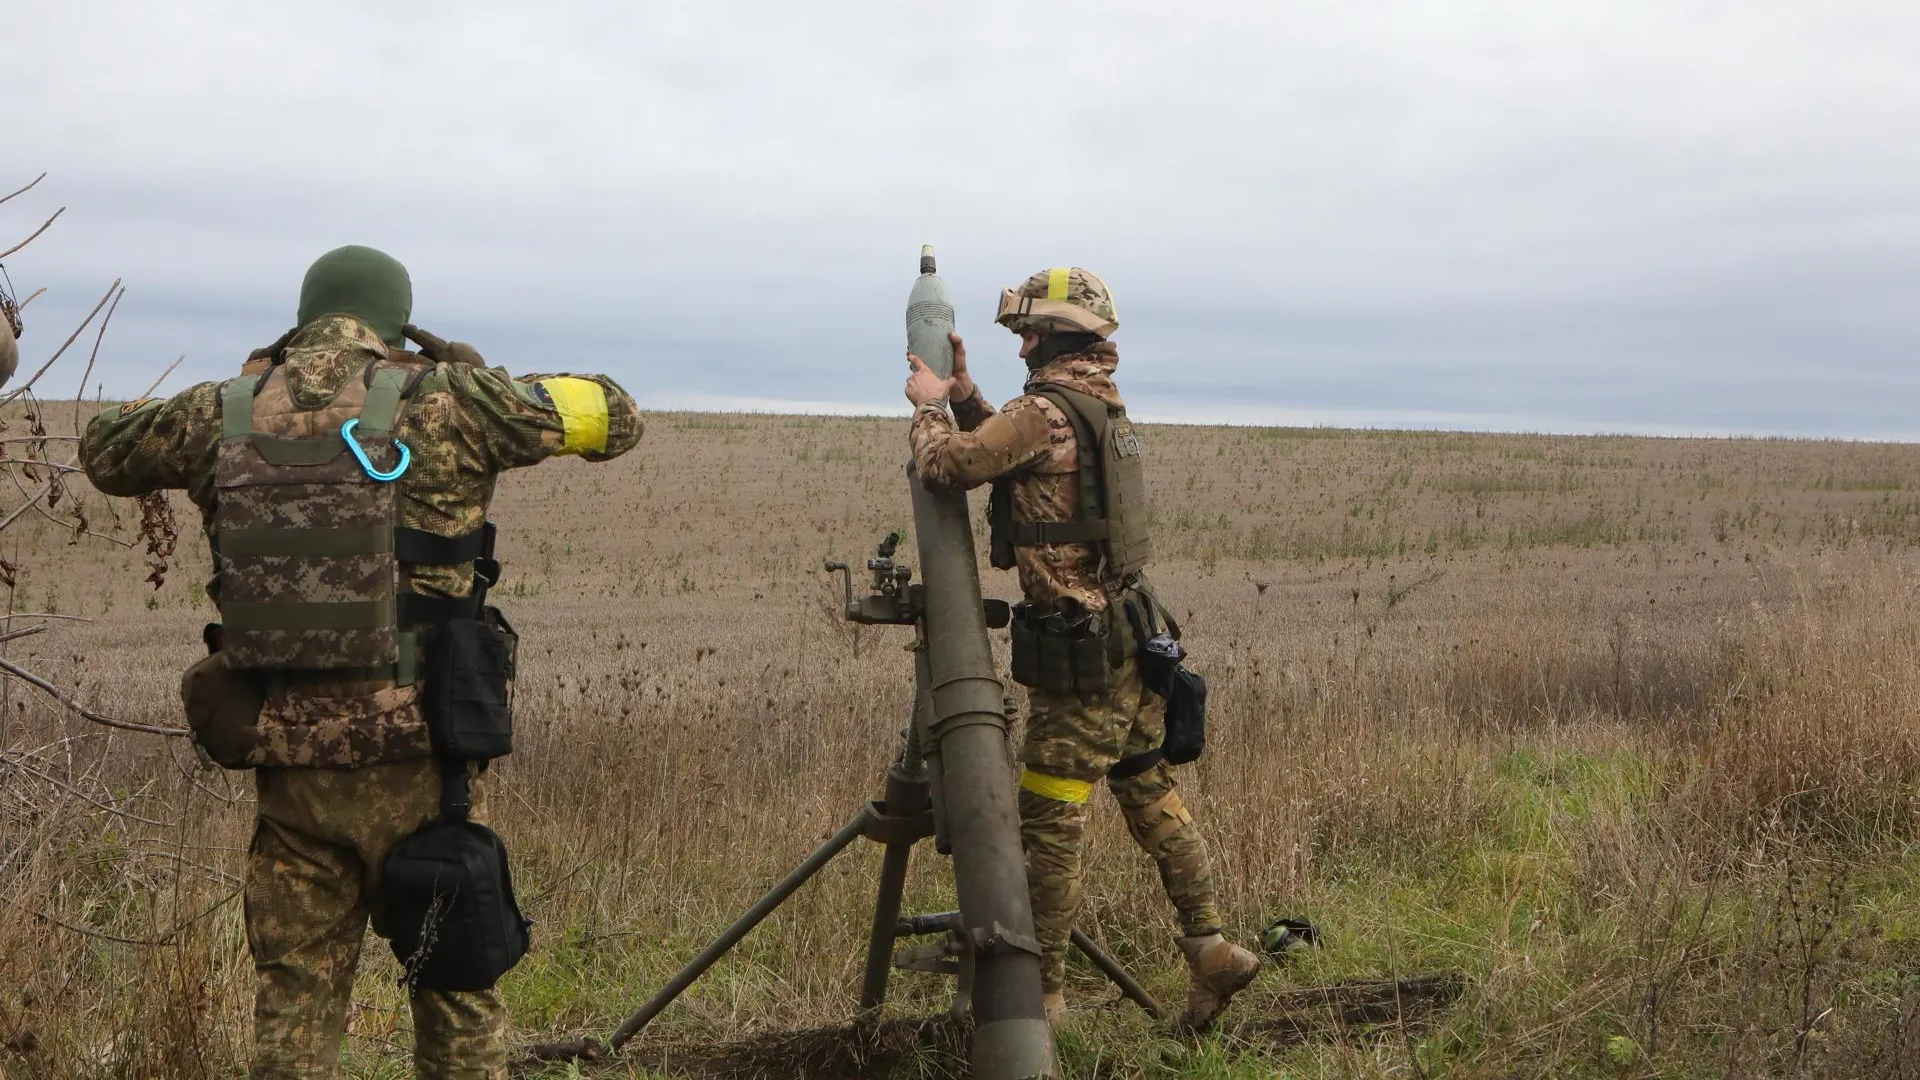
[[731, 937], [1111, 969], [886, 914], [906, 796]]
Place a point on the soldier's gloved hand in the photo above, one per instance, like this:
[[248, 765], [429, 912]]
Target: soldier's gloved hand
[[440, 350], [923, 385], [962, 388]]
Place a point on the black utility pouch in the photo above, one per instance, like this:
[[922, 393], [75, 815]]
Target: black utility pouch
[[495, 618], [1091, 670], [1186, 718], [1025, 655], [1163, 671], [467, 670], [450, 911], [1061, 652]]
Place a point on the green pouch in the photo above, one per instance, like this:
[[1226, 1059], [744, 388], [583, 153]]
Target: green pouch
[[223, 709], [1088, 656], [1056, 664]]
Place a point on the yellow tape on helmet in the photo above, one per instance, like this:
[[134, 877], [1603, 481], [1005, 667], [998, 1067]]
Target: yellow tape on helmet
[[1057, 283], [582, 405]]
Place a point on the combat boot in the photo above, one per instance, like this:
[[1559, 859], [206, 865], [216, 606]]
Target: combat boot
[[1055, 1003], [1219, 970]]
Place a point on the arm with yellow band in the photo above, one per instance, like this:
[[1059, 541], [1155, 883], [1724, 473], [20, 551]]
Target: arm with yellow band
[[516, 422], [582, 405]]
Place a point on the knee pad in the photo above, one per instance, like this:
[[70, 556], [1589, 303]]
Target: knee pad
[[1153, 823]]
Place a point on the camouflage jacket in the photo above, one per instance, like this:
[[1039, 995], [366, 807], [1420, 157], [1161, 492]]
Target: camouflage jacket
[[464, 427], [1031, 440]]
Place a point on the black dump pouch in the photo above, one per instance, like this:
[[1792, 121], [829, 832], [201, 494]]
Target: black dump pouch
[[450, 913], [1069, 650], [467, 669], [1164, 672]]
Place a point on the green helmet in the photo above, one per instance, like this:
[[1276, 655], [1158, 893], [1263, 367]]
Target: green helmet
[[1063, 299], [359, 281]]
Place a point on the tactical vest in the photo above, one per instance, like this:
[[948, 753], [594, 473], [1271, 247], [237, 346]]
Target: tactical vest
[[306, 535], [1112, 503]]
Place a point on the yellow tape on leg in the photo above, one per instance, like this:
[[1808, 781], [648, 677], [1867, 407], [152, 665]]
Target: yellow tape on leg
[[1057, 788]]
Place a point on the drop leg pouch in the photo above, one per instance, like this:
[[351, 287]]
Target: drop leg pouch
[[449, 910]]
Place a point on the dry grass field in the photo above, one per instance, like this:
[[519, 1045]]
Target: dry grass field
[[1620, 737]]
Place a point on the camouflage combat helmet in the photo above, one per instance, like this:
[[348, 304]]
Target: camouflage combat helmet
[[1063, 299]]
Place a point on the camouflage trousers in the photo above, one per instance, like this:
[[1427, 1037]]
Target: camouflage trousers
[[1072, 741], [313, 878]]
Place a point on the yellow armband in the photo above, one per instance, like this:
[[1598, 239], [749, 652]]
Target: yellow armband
[[582, 405]]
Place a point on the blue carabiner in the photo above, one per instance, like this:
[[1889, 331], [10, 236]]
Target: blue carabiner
[[406, 456]]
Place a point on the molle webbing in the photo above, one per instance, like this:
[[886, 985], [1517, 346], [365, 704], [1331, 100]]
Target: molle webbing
[[305, 538]]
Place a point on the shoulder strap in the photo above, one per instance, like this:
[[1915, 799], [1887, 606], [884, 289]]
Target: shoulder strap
[[236, 406], [385, 392], [1088, 414]]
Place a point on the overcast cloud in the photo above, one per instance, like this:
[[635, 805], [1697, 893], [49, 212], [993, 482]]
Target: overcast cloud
[[1640, 215]]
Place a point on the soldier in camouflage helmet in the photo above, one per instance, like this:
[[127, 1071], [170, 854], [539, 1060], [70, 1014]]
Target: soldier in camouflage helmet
[[344, 765], [1068, 511]]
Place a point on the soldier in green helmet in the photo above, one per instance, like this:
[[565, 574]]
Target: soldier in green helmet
[[344, 486], [1068, 511]]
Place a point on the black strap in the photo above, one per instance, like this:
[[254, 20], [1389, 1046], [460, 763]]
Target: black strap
[[1129, 767], [1030, 533], [415, 547], [419, 546], [456, 790]]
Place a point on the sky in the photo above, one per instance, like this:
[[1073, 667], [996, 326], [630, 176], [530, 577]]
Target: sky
[[1651, 216]]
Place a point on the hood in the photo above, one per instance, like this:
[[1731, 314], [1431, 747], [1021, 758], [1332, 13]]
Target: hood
[[327, 352], [1089, 372]]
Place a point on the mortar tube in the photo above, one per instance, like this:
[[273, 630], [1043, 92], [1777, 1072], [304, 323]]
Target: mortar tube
[[1011, 1038]]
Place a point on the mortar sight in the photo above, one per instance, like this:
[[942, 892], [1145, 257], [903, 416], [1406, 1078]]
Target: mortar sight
[[894, 601]]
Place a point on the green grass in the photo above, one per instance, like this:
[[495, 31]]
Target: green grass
[[1557, 972]]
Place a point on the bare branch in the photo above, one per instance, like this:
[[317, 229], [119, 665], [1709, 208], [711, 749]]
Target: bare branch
[[22, 305], [80, 395], [9, 759], [164, 939], [15, 393], [33, 502], [25, 631], [44, 226], [26, 189], [82, 711], [163, 377]]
